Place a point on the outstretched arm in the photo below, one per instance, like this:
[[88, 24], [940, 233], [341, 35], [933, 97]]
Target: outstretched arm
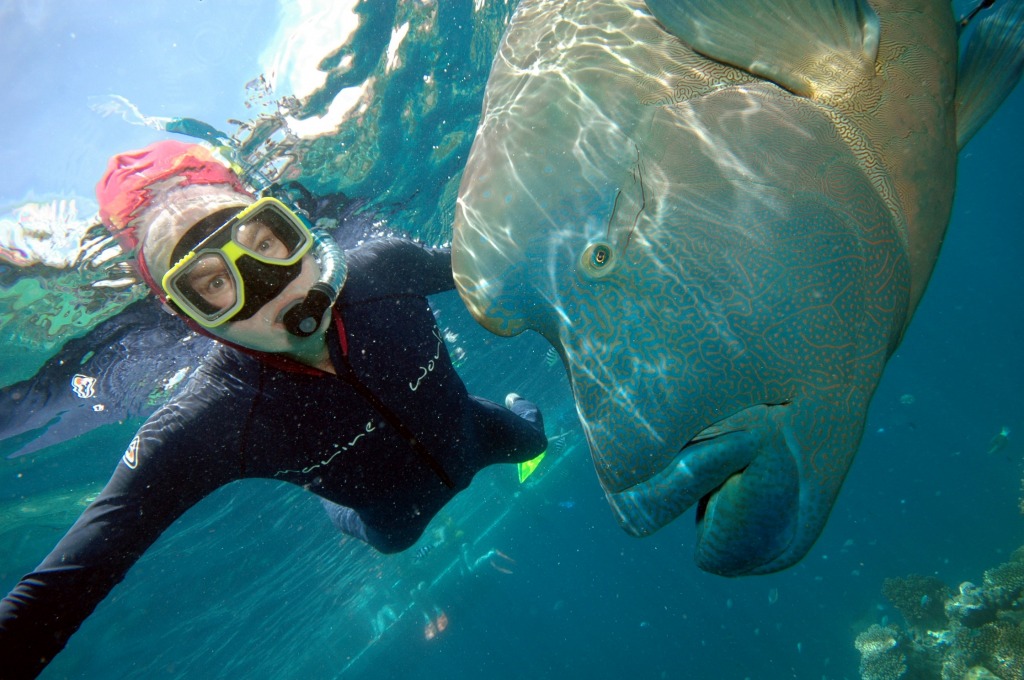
[[161, 475]]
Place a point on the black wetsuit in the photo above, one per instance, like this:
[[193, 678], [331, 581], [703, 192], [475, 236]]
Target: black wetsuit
[[345, 437]]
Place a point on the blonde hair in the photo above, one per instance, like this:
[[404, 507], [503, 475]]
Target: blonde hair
[[172, 212]]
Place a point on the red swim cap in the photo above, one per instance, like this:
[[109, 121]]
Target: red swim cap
[[124, 191]]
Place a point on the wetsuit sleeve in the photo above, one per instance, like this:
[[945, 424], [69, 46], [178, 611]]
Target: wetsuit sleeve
[[176, 459], [400, 266]]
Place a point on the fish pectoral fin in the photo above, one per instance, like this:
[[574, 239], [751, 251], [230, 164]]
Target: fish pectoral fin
[[990, 68], [811, 48]]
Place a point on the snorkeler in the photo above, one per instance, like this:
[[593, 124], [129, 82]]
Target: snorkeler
[[493, 558], [999, 442], [329, 373]]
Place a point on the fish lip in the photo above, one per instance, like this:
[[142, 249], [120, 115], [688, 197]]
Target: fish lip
[[705, 437], [705, 462], [717, 458], [709, 435], [771, 555], [713, 435]]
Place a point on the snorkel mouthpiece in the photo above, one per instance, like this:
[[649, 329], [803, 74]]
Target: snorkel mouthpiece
[[304, 317]]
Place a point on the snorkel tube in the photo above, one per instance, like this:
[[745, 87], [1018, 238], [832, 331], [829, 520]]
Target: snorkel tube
[[305, 316]]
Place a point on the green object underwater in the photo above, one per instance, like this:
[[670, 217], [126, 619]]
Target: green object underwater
[[526, 468]]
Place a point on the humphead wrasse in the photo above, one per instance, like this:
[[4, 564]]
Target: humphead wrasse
[[722, 215]]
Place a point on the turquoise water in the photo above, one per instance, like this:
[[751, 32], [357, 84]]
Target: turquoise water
[[254, 582]]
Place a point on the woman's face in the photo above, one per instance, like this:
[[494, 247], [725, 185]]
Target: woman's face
[[168, 219], [264, 330]]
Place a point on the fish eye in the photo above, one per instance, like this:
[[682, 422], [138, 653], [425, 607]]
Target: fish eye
[[597, 259]]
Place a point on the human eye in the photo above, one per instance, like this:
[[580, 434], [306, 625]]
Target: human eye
[[271, 245], [262, 240], [211, 280], [217, 289], [215, 284]]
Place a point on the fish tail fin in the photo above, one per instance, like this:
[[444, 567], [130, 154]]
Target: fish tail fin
[[990, 67]]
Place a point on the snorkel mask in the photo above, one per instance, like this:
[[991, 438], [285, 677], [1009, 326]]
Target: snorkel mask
[[233, 262], [136, 179]]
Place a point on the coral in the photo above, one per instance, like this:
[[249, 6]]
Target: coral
[[964, 654], [979, 673], [973, 633], [880, 655], [920, 599], [1003, 648], [995, 650], [971, 606], [1004, 584]]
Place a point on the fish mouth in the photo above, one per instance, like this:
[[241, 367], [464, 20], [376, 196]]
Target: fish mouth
[[716, 435], [741, 475]]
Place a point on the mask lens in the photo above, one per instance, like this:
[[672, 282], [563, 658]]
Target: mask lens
[[208, 283], [270, 236]]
